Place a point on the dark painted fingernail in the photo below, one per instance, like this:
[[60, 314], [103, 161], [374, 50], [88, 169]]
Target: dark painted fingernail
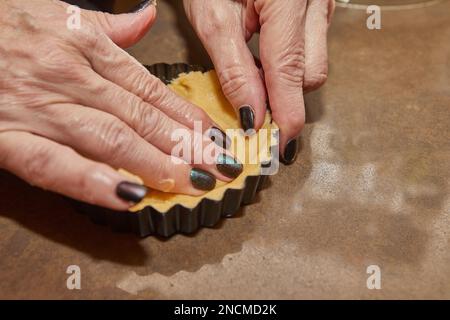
[[141, 6], [229, 166], [219, 137], [290, 152], [247, 118], [202, 180], [130, 191]]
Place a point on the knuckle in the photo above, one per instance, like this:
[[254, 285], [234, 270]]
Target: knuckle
[[148, 120], [149, 88], [115, 138], [51, 57], [232, 79], [290, 67], [90, 38], [97, 87], [55, 63], [79, 77], [37, 162], [84, 183], [212, 26]]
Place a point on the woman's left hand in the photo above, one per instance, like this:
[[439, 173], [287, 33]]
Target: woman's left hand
[[293, 51]]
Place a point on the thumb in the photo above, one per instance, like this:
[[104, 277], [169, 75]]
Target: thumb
[[124, 29]]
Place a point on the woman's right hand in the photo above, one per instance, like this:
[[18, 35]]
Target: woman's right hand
[[74, 106]]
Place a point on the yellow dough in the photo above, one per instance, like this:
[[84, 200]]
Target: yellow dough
[[203, 90]]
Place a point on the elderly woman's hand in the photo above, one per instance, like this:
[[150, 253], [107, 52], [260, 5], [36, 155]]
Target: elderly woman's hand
[[293, 51], [74, 105]]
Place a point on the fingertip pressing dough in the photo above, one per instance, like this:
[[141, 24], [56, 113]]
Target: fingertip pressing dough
[[204, 90]]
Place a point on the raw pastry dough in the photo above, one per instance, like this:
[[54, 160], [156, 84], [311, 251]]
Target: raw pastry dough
[[203, 90]]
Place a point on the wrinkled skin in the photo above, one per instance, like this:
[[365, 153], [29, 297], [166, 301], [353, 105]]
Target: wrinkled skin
[[74, 106], [293, 52]]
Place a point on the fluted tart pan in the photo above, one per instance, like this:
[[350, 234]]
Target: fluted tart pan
[[150, 219]]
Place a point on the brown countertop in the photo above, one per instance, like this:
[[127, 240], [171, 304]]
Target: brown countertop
[[371, 186]]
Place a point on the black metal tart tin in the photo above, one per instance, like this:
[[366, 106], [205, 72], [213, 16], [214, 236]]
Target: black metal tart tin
[[178, 219]]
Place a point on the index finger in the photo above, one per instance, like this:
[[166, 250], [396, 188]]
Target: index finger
[[117, 66], [282, 52]]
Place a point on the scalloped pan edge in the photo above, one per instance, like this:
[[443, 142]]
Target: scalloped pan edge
[[178, 219]]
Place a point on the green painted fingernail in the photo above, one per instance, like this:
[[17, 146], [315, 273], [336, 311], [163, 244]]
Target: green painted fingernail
[[229, 166], [202, 179]]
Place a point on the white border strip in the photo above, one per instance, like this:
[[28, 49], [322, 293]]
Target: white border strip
[[398, 7]]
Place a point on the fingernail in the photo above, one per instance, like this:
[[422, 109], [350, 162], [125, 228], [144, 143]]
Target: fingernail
[[247, 118], [202, 180], [130, 191], [141, 6], [290, 152], [229, 166], [219, 137]]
